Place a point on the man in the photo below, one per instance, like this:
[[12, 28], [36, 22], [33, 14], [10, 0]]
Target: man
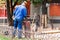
[[19, 14]]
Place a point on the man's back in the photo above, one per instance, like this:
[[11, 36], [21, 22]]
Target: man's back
[[20, 12]]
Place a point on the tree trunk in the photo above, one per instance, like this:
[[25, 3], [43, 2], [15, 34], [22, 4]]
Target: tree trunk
[[44, 12], [9, 15]]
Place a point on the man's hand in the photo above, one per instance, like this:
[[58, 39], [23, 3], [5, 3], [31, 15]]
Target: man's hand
[[25, 18], [13, 17]]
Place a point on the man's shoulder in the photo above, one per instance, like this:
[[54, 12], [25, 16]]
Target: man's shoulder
[[17, 6], [23, 6]]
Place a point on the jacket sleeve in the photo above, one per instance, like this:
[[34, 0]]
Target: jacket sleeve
[[15, 11], [24, 12]]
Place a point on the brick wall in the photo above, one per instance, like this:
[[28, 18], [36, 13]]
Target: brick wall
[[54, 10], [3, 12]]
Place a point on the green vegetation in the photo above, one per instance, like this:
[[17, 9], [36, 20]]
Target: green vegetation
[[37, 1], [2, 37]]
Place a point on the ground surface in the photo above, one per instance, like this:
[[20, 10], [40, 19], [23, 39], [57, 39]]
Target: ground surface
[[48, 35]]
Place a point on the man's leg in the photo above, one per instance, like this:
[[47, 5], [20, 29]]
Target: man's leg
[[20, 30], [14, 29], [13, 33], [19, 34]]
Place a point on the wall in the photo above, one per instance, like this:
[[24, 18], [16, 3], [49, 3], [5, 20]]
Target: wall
[[35, 10], [54, 10], [3, 12], [2, 8]]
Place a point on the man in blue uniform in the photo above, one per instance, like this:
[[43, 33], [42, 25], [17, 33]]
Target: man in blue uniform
[[19, 14]]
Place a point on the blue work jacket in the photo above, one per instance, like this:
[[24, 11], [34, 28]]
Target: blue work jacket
[[20, 12]]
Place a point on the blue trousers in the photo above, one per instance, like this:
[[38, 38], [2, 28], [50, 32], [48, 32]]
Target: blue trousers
[[18, 24]]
